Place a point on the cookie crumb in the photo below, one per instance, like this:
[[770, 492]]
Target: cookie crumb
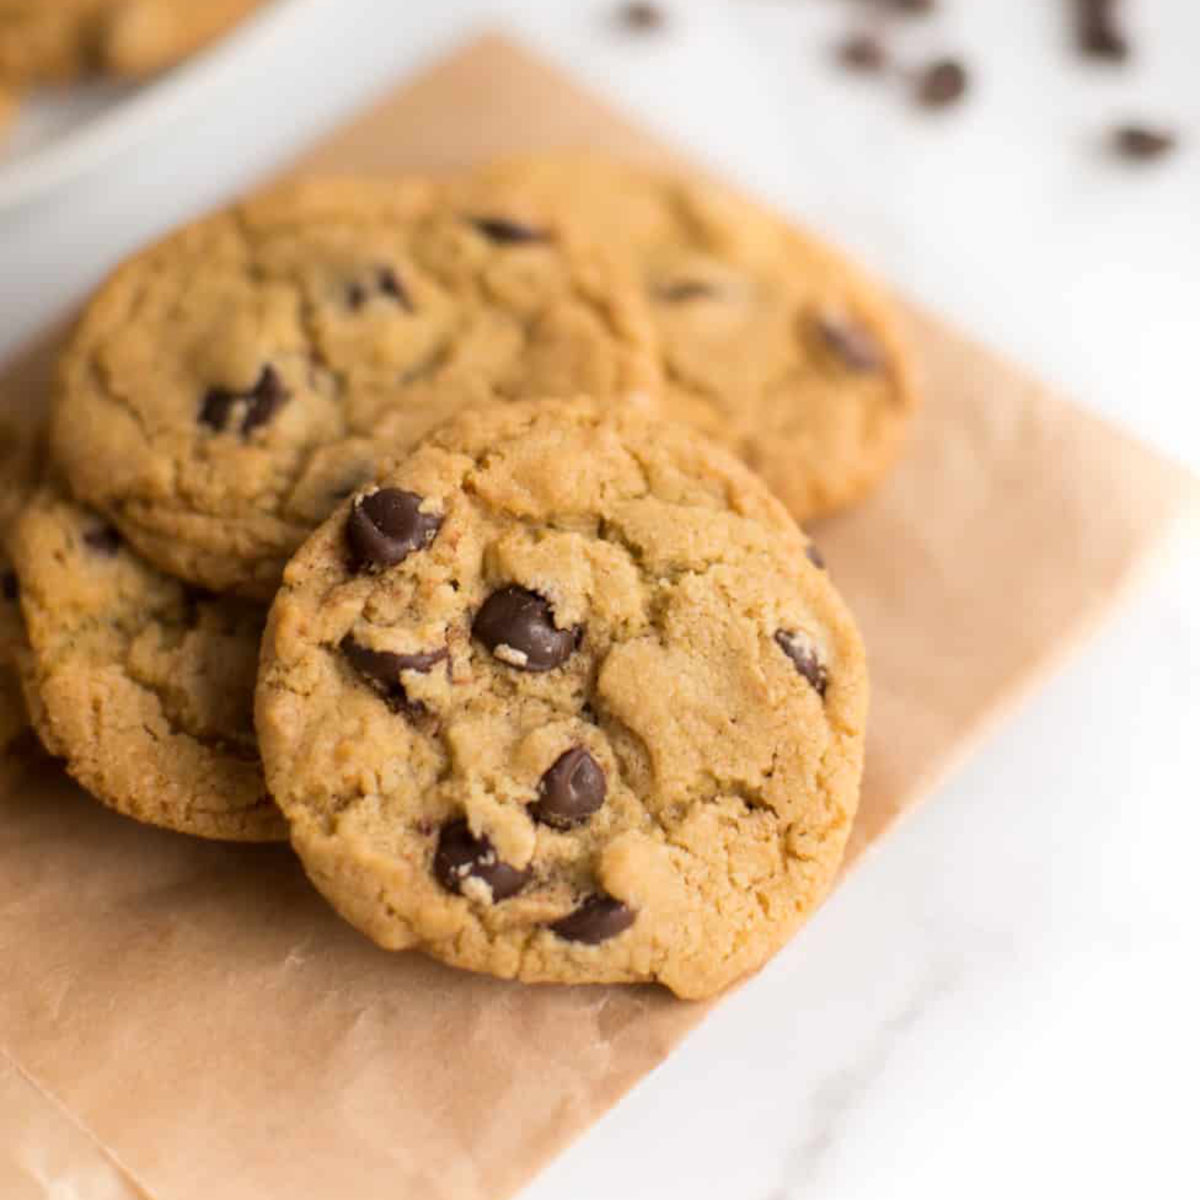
[[1140, 143]]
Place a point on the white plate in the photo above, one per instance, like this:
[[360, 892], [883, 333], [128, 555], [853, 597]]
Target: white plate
[[62, 133]]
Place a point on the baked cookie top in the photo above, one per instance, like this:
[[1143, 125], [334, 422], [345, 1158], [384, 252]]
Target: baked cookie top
[[564, 696], [143, 685], [58, 40], [770, 341], [225, 388]]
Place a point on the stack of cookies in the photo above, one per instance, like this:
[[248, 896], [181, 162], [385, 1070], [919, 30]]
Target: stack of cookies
[[449, 529]]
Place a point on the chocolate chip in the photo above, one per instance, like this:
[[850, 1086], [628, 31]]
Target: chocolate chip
[[571, 790], [501, 229], [941, 83], [104, 539], [461, 855], [852, 343], [642, 18], [814, 556], [597, 919], [257, 406], [10, 585], [862, 52], [915, 7], [386, 526], [381, 669], [1097, 31], [387, 283], [684, 290], [1141, 144], [804, 658], [517, 626]]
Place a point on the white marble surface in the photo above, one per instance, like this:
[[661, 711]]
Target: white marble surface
[[1002, 1001]]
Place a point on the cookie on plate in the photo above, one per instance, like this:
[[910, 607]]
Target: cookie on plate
[[227, 387], [143, 685], [771, 342], [565, 697], [53, 41]]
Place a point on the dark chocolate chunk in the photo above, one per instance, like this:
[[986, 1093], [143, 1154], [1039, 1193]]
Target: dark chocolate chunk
[[804, 658], [642, 17], [461, 855], [523, 621], [942, 83], [683, 290], [1139, 143], [10, 585], [507, 232], [571, 790], [381, 669], [1098, 32], [386, 283], [257, 406], [854, 345], [597, 919], [104, 539], [814, 555], [862, 52], [386, 526]]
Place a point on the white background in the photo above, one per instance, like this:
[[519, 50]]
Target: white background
[[1002, 1001]]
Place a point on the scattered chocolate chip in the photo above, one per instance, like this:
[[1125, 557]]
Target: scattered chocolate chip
[[852, 343], [461, 855], [597, 919], [942, 83], [862, 52], [1141, 144], [571, 790], [381, 669], [915, 7], [642, 18], [804, 658], [501, 229], [517, 626], [104, 539], [1098, 32], [684, 290], [257, 406], [386, 526], [10, 585], [387, 283], [814, 555]]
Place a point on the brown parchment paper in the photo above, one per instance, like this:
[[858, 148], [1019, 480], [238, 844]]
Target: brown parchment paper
[[181, 1020]]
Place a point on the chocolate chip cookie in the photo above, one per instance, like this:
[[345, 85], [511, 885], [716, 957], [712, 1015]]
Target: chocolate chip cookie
[[143, 685], [52, 41], [771, 342], [565, 696], [226, 388]]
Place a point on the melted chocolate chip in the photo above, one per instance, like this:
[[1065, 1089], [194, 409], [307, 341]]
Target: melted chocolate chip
[[1140, 144], [10, 585], [258, 406], [597, 919], [461, 855], [104, 539], [381, 669], [852, 343], [386, 283], [517, 626], [862, 52], [804, 658], [684, 290], [814, 556], [507, 232], [942, 83], [1098, 33], [386, 526], [571, 790]]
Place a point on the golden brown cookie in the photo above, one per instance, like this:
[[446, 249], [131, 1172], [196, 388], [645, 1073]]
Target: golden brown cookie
[[48, 41], [565, 697], [227, 387], [141, 684], [771, 342]]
